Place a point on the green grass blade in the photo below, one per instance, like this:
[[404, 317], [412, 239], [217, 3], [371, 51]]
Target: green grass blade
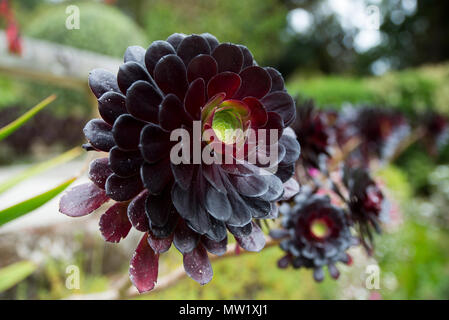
[[41, 167], [15, 273], [24, 207], [16, 124]]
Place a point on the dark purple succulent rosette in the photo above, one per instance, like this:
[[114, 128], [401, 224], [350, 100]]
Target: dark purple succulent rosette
[[193, 205], [436, 132], [313, 133], [380, 131], [314, 234], [367, 204]]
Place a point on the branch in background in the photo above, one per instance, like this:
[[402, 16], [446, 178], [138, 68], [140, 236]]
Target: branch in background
[[123, 288], [344, 152], [416, 135]]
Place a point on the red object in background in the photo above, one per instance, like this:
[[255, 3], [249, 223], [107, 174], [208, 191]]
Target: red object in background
[[12, 29], [14, 39], [237, 249], [375, 296]]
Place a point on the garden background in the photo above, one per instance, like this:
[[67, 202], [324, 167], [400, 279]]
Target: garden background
[[337, 52]]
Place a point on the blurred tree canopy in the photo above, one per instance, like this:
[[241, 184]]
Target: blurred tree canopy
[[412, 32], [254, 23]]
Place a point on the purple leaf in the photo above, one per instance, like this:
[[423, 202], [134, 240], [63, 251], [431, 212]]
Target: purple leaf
[[123, 189], [292, 149], [131, 72], [227, 82], [175, 39], [159, 208], [277, 81], [256, 82], [82, 200], [102, 81], [217, 203], [254, 242], [185, 239], [191, 46], [195, 98], [142, 101], [211, 40], [197, 265], [291, 188], [111, 105], [99, 134], [259, 116], [155, 52], [125, 163], [247, 57], [126, 132], [155, 176], [250, 186], [281, 103], [136, 212], [183, 174], [172, 113], [154, 143], [202, 66], [143, 269], [114, 223], [136, 54], [171, 76], [215, 247], [99, 171], [229, 57], [160, 245]]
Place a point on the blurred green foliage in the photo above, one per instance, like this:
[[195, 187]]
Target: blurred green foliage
[[416, 256], [423, 246], [433, 209], [396, 181], [15, 273], [103, 29], [98, 263], [9, 92], [417, 165], [254, 23], [410, 90], [332, 91]]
